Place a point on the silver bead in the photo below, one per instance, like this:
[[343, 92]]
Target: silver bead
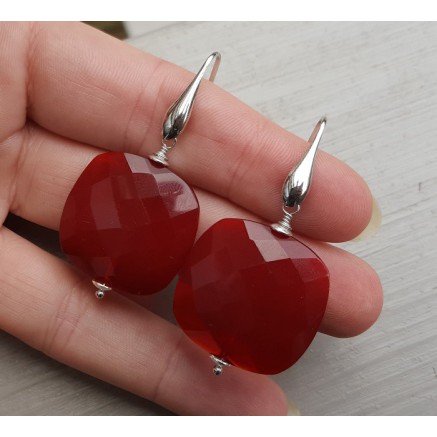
[[101, 289], [219, 364]]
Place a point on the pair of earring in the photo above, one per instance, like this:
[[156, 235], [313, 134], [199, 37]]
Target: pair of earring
[[251, 295]]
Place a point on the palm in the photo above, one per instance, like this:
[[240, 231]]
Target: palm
[[67, 94]]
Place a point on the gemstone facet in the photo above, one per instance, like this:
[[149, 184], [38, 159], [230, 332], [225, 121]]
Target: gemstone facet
[[250, 296], [129, 223]]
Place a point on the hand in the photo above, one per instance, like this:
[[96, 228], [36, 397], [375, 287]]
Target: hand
[[68, 92]]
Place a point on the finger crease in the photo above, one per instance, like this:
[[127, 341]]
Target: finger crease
[[33, 42], [166, 370], [18, 199], [138, 107], [64, 322], [242, 166]]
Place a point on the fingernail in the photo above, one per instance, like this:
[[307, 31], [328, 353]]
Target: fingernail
[[374, 223], [292, 409]]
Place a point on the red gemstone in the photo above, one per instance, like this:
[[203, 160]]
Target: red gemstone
[[250, 296], [129, 223]]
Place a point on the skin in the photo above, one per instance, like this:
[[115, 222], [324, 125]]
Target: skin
[[69, 92]]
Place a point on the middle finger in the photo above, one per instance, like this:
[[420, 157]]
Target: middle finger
[[45, 166]]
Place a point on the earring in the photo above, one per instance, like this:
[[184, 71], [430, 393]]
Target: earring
[[252, 295], [129, 221]]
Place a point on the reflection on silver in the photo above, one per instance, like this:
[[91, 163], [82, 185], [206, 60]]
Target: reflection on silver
[[179, 113], [298, 182], [101, 289], [219, 364]]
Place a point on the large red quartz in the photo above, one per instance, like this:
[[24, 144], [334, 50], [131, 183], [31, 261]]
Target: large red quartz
[[250, 296], [129, 223]]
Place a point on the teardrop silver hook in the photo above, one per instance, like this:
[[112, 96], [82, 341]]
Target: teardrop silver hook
[[179, 113], [298, 182]]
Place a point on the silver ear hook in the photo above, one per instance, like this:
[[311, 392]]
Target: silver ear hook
[[298, 182], [179, 113]]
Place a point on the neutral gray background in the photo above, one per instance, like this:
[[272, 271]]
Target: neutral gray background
[[377, 84]]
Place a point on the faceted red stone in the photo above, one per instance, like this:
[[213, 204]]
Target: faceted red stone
[[250, 296], [129, 223]]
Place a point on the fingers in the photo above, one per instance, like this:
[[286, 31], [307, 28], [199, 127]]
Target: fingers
[[89, 87], [51, 165], [45, 304], [41, 169], [13, 90]]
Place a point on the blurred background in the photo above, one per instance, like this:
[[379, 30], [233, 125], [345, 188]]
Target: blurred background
[[114, 28]]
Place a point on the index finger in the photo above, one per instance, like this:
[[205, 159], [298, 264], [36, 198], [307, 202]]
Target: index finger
[[94, 89]]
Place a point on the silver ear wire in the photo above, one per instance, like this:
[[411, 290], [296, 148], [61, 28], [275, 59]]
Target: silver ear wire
[[179, 113], [298, 182]]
